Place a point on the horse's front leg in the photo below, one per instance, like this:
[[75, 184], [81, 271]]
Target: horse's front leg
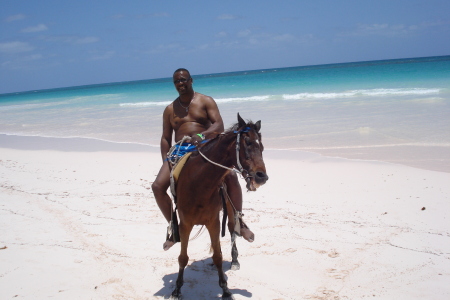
[[214, 233], [183, 259]]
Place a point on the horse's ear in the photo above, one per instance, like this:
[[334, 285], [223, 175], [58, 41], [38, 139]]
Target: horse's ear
[[241, 121], [258, 126]]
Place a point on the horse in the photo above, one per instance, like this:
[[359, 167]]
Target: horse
[[197, 190]]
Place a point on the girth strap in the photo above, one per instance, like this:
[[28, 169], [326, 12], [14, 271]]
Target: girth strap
[[224, 204]]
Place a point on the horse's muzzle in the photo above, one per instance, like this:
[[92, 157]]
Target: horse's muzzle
[[256, 179]]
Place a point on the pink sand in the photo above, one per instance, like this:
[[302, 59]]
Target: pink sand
[[84, 225]]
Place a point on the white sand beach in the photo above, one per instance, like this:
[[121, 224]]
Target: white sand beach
[[79, 221]]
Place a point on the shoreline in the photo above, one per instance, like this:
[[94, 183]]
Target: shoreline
[[84, 224], [70, 144], [400, 155]]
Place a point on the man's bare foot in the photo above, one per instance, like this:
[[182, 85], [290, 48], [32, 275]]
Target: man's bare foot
[[247, 234], [167, 245]]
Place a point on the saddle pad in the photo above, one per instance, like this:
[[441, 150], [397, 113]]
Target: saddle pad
[[179, 166]]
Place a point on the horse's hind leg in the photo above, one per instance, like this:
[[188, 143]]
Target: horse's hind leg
[[235, 265], [183, 259], [214, 233]]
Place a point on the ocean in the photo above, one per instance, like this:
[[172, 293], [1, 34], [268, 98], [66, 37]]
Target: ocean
[[392, 110]]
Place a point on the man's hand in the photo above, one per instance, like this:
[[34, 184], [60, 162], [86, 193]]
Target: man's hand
[[195, 139]]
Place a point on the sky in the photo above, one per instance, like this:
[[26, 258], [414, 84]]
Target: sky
[[50, 44]]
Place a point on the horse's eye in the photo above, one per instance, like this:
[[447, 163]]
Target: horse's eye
[[247, 140]]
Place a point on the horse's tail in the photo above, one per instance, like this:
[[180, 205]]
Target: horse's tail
[[199, 232]]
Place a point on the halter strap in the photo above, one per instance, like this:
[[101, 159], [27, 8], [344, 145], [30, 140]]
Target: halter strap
[[241, 170], [238, 147], [246, 129]]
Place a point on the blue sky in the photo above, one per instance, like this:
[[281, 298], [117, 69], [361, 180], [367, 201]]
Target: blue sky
[[50, 44]]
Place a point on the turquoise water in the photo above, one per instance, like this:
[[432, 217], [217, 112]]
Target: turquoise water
[[364, 105]]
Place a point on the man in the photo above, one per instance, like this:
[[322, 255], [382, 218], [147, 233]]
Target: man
[[197, 116]]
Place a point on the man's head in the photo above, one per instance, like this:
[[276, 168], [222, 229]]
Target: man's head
[[182, 80], [182, 69]]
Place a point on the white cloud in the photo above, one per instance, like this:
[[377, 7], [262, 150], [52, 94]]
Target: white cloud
[[254, 41], [141, 16], [372, 27], [244, 33], [218, 44], [37, 28], [32, 57], [118, 16], [286, 37], [227, 17], [26, 62], [162, 48], [222, 34], [383, 29], [160, 15], [71, 39], [436, 23], [103, 56], [13, 18], [248, 38], [15, 47], [85, 40]]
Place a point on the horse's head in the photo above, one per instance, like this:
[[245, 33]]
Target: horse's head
[[250, 154]]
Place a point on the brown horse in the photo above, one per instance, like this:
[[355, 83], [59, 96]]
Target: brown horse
[[198, 187]]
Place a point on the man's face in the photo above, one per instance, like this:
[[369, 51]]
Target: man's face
[[182, 81]]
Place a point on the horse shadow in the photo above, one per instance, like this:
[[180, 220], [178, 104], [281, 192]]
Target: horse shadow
[[200, 282]]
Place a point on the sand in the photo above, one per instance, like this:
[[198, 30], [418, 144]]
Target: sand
[[80, 222]]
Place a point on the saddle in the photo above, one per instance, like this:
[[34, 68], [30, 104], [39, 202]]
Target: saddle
[[175, 173]]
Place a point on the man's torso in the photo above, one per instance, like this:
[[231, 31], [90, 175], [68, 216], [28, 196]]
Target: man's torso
[[192, 121]]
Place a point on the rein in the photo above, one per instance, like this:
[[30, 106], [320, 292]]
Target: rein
[[241, 170], [173, 156]]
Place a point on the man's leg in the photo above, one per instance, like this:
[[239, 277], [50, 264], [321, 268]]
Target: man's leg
[[235, 192], [159, 187]]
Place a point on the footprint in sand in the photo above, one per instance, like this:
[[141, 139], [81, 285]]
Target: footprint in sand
[[333, 253], [324, 294], [337, 274]]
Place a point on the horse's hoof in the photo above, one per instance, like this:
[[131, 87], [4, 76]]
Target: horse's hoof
[[227, 297], [176, 295], [235, 266]]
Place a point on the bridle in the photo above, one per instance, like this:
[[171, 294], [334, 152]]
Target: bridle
[[244, 173]]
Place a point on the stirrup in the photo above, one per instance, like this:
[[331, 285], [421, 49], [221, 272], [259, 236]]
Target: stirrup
[[172, 236], [237, 222]]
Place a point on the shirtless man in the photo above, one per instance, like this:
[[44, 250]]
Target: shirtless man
[[195, 115]]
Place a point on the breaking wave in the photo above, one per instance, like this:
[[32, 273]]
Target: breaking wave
[[311, 96]]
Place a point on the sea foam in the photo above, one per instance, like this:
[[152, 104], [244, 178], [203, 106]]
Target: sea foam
[[145, 104], [359, 93]]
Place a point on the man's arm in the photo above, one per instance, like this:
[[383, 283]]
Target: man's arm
[[214, 117], [166, 138]]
